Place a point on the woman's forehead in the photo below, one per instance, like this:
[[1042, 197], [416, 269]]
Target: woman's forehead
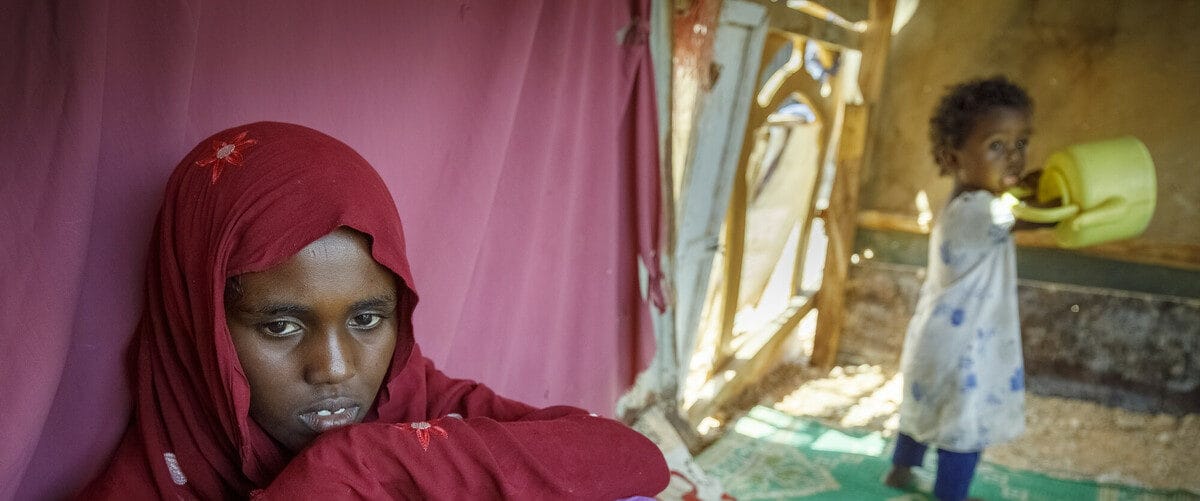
[[338, 265]]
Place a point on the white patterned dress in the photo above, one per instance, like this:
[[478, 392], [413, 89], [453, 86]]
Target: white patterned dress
[[964, 378]]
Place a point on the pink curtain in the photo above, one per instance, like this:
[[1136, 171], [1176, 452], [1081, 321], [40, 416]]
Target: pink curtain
[[517, 138]]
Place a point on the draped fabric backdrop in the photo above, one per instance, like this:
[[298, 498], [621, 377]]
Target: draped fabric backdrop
[[518, 138]]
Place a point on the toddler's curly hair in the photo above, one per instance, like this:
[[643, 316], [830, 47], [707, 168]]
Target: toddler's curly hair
[[964, 104]]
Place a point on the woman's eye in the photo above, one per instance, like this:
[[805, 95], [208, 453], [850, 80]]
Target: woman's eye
[[1021, 144], [366, 320], [996, 146], [280, 328]]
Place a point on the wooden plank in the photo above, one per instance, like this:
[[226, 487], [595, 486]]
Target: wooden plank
[[750, 371], [805, 233], [850, 10], [735, 245], [885, 221], [793, 80], [802, 84], [735, 222], [790, 82], [877, 42], [1168, 254], [735, 218], [789, 20], [713, 163], [806, 228]]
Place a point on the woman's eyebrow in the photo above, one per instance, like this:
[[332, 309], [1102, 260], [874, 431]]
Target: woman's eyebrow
[[274, 309], [375, 303]]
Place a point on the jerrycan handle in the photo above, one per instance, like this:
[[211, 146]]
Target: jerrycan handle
[[1051, 183]]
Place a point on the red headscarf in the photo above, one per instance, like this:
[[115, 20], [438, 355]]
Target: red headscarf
[[245, 200]]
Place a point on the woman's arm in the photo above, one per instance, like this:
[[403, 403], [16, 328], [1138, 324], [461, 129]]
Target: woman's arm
[[576, 456], [474, 444]]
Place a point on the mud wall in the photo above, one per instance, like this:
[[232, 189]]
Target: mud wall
[[1095, 69], [1134, 350]]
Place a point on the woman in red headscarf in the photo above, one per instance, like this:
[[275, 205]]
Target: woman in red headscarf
[[275, 357]]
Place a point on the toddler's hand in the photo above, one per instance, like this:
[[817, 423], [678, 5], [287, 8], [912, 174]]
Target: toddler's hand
[[1030, 180]]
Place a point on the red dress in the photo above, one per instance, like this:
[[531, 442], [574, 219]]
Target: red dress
[[245, 200]]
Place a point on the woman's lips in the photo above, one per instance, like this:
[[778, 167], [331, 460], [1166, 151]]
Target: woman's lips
[[328, 417]]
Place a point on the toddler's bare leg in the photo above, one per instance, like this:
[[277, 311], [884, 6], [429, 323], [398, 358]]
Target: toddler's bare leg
[[899, 477]]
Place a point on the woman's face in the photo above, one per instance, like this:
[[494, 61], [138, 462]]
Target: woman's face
[[315, 337]]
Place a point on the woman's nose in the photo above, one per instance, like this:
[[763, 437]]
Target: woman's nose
[[329, 358]]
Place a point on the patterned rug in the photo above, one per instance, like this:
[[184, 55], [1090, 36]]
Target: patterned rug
[[772, 455]]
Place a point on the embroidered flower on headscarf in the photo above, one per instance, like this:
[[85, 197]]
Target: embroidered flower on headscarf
[[226, 153], [424, 430]]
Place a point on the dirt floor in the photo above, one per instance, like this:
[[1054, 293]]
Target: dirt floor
[[1065, 438]]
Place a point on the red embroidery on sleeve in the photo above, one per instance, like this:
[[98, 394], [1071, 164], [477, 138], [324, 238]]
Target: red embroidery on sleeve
[[424, 430], [226, 153]]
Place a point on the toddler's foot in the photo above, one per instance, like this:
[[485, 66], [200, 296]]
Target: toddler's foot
[[899, 477]]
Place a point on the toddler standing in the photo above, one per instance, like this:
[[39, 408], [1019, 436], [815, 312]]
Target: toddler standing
[[962, 364]]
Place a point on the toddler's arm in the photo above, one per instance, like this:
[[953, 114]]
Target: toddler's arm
[[1030, 182]]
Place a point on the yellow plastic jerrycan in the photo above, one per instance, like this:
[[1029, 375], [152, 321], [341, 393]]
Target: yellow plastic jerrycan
[[1106, 188]]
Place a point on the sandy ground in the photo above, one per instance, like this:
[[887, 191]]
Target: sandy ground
[[1065, 438]]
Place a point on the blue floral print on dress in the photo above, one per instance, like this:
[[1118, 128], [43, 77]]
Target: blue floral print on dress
[[956, 317], [969, 383], [998, 234], [983, 333], [1017, 381]]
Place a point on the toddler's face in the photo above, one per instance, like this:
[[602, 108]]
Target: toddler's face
[[315, 337], [992, 157]]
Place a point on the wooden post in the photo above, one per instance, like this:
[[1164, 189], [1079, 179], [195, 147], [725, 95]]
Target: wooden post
[[839, 227], [841, 216]]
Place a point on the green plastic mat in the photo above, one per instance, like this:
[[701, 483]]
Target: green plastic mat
[[772, 455]]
